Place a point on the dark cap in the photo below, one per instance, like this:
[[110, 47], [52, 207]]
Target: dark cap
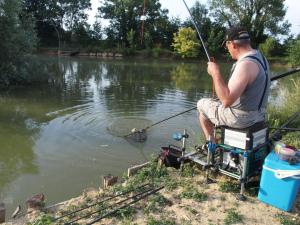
[[237, 33]]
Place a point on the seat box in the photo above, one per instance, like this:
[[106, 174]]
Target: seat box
[[280, 193], [247, 138]]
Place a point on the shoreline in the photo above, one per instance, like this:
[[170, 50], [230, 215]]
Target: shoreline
[[185, 199]]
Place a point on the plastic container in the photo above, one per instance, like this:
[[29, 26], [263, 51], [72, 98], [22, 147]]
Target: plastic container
[[278, 185]]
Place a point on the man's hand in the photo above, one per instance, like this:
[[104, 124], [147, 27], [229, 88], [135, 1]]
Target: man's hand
[[213, 69]]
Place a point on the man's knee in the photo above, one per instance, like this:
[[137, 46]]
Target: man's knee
[[202, 104]]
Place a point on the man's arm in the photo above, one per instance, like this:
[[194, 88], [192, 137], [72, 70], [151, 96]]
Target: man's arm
[[244, 74]]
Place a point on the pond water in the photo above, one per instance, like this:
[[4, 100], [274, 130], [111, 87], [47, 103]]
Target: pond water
[[62, 137]]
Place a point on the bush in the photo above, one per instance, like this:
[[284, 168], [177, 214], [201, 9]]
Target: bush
[[17, 39], [294, 53], [186, 43], [269, 47]]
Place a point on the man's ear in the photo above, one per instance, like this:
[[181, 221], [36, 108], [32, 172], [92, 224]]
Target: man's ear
[[234, 45]]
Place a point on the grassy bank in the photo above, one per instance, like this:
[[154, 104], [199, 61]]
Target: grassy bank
[[185, 200], [288, 104]]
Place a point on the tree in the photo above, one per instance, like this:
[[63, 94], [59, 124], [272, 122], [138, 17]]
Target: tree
[[212, 33], [74, 12], [48, 20], [186, 43], [124, 16], [259, 17], [52, 16], [17, 39]]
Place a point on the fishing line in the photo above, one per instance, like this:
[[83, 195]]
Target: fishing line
[[194, 23], [143, 131]]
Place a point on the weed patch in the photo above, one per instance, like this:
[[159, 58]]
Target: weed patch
[[287, 220], [233, 217], [229, 186]]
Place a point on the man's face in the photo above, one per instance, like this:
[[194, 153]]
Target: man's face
[[231, 48]]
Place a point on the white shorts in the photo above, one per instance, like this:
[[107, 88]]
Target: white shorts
[[214, 111]]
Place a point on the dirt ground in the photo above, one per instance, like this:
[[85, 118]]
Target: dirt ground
[[190, 201]]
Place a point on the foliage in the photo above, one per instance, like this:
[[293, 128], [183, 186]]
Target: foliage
[[130, 39], [287, 220], [294, 53], [228, 186], [161, 221], [212, 33], [155, 203], [279, 114], [53, 17], [17, 39], [44, 219], [124, 16], [186, 43], [233, 217], [191, 192], [126, 213], [269, 47], [258, 17]]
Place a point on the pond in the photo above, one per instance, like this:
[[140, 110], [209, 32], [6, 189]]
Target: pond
[[64, 136]]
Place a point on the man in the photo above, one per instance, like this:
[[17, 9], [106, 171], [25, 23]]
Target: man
[[242, 102]]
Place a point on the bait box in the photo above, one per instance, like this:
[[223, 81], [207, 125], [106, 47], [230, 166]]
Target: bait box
[[280, 193], [247, 138]]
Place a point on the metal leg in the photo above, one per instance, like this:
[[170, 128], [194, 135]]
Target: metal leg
[[241, 196], [184, 136]]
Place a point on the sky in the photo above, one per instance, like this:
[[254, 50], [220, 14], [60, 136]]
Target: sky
[[177, 9]]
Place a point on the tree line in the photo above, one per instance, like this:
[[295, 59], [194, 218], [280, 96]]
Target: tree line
[[29, 24]]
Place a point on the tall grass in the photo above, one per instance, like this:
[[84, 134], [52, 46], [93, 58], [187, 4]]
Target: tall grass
[[279, 112]]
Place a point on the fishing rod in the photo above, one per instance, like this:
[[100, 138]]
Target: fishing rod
[[143, 194], [199, 34], [285, 74], [135, 199], [188, 110], [276, 134], [102, 201]]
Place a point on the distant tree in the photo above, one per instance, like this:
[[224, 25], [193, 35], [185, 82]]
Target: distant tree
[[125, 15], [186, 43], [200, 15], [53, 16], [257, 16], [17, 39], [74, 12], [212, 33], [48, 20]]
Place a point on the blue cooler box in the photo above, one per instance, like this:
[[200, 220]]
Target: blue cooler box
[[280, 193]]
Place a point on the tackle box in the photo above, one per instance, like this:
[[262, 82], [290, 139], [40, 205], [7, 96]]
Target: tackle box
[[274, 191], [246, 138]]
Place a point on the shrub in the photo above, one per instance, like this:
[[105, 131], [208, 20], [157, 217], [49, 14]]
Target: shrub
[[186, 43]]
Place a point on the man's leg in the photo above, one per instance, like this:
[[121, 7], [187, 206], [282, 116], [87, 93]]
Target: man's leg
[[207, 127], [207, 116]]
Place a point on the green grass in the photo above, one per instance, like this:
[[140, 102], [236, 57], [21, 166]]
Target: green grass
[[191, 192], [288, 220], [156, 203], [279, 113], [229, 186], [160, 221], [44, 219], [233, 217]]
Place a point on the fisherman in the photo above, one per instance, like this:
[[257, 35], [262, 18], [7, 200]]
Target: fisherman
[[242, 102]]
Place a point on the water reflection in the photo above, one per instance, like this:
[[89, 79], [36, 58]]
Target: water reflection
[[57, 133]]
